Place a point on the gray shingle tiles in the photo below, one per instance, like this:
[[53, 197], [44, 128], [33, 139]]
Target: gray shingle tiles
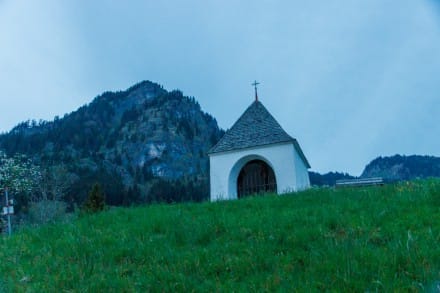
[[256, 127]]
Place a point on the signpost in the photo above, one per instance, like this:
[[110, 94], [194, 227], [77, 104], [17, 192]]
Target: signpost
[[8, 210]]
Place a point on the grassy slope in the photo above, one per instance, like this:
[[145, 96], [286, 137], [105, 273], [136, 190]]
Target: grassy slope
[[384, 238]]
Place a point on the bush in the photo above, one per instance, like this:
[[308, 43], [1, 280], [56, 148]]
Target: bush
[[46, 211], [95, 202]]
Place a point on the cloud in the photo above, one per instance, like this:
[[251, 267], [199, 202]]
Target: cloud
[[349, 79]]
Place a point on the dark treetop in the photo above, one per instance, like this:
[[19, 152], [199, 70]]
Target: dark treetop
[[256, 127]]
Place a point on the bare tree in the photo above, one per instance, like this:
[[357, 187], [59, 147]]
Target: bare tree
[[48, 204]]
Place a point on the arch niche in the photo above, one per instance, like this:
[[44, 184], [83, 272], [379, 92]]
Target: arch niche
[[252, 175]]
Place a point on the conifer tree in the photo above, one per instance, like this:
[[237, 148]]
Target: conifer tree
[[96, 200]]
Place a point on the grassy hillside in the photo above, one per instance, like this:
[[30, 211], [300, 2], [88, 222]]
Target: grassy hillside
[[380, 238]]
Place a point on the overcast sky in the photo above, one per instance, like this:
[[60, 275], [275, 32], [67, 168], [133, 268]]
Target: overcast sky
[[351, 80]]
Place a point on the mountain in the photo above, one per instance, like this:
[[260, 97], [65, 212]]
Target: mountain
[[135, 142], [148, 144], [399, 167], [394, 168]]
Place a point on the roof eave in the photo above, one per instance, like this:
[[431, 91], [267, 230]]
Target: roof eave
[[292, 141]]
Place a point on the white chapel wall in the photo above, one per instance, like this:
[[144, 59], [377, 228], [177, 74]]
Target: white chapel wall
[[283, 158], [302, 173]]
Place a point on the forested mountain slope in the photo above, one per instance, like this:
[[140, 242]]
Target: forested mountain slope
[[129, 141], [399, 167]]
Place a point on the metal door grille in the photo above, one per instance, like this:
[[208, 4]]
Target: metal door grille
[[256, 177]]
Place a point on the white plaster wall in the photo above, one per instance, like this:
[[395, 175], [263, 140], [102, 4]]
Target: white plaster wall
[[302, 173], [282, 158]]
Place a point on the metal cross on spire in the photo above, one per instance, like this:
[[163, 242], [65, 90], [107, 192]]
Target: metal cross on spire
[[255, 83]]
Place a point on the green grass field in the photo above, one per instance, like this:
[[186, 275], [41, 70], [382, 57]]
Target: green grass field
[[366, 239]]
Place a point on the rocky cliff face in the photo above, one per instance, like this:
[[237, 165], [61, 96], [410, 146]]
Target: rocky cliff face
[[134, 136], [403, 167]]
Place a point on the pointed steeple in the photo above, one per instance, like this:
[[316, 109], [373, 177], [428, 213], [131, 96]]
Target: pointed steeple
[[255, 127]]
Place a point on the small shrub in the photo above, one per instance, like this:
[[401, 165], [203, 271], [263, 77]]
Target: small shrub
[[46, 211], [95, 202]]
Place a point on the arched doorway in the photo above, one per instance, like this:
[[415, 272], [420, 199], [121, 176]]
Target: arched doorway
[[256, 177]]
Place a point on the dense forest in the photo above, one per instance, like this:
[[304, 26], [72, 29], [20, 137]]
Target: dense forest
[[327, 179]]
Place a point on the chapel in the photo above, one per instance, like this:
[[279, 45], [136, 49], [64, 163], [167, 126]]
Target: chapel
[[256, 156]]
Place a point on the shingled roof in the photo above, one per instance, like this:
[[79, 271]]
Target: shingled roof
[[256, 127]]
